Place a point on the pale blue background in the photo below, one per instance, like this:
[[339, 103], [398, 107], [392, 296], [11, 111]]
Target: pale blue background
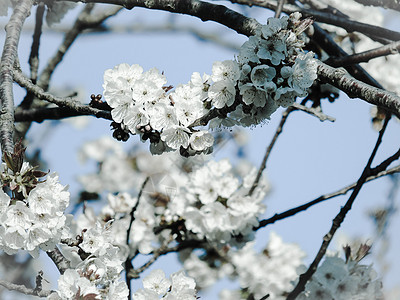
[[310, 158]]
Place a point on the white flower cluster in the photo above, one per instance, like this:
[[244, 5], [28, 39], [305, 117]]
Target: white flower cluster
[[216, 205], [97, 264], [270, 272], [157, 286], [337, 279], [37, 221], [270, 71], [273, 70]]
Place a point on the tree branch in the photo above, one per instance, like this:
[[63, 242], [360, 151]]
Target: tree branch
[[67, 102], [263, 165], [392, 4], [203, 10], [343, 191], [328, 18], [358, 89], [24, 290], [84, 21], [59, 260], [9, 55], [338, 220], [128, 262], [392, 48]]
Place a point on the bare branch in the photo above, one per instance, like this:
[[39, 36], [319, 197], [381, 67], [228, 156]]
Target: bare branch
[[328, 18], [128, 261], [303, 207], [392, 4], [59, 260], [269, 149], [358, 89], [314, 112], [278, 10], [338, 220], [84, 21], [203, 10], [392, 48], [67, 102], [9, 55], [24, 290]]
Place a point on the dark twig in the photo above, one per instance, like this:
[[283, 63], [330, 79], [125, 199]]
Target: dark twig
[[128, 262], [365, 56], [328, 18], [34, 56], [9, 55], [84, 21], [338, 220], [24, 290], [67, 102], [343, 191], [134, 273], [263, 165], [203, 10], [392, 4]]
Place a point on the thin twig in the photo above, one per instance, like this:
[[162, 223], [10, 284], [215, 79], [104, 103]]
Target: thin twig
[[34, 56], [392, 48], [343, 191], [84, 21], [8, 57], [316, 112], [338, 220], [128, 262], [278, 10], [134, 273], [263, 165], [24, 290], [67, 102]]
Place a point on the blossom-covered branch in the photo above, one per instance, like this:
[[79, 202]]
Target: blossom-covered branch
[[9, 55]]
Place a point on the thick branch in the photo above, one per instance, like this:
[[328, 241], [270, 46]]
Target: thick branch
[[203, 10], [392, 4], [51, 113], [68, 102], [9, 55], [328, 18], [358, 89], [24, 290], [59, 260]]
